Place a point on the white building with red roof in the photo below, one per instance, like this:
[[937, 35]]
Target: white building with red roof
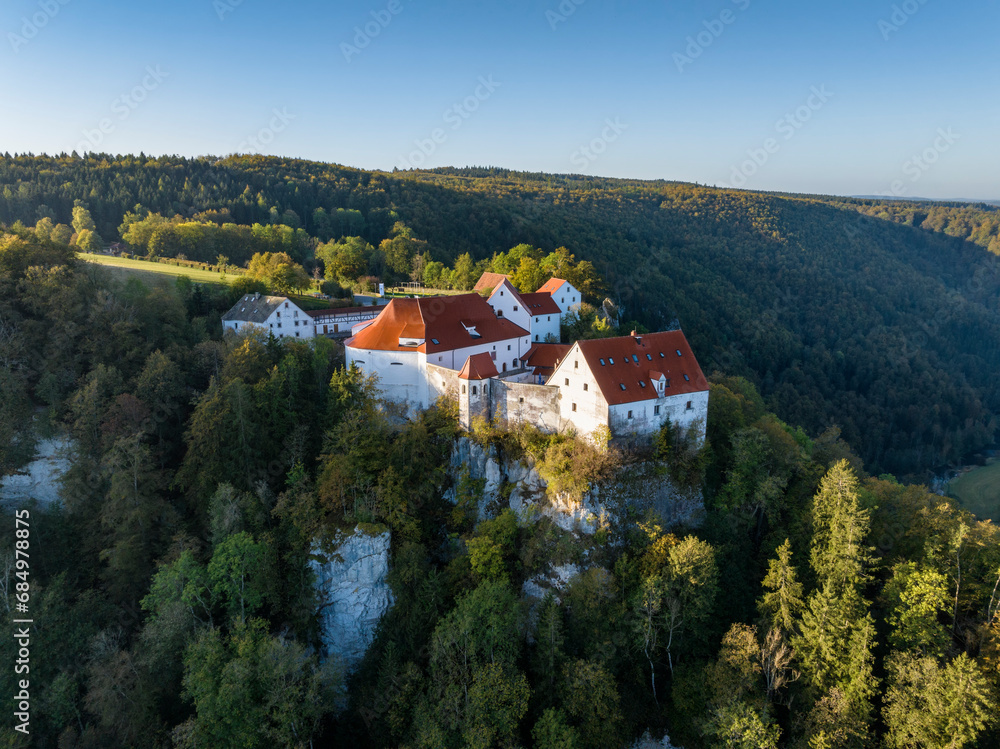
[[631, 384], [536, 312], [563, 293], [410, 336]]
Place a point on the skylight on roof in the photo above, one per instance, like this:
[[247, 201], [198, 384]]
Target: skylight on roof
[[611, 360], [635, 358], [622, 386], [679, 352], [661, 354], [649, 357], [435, 341], [687, 379], [602, 362], [642, 383]]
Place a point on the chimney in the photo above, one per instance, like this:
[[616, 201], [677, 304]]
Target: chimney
[[638, 338]]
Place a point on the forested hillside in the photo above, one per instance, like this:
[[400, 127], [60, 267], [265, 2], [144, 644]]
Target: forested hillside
[[878, 317], [172, 604]]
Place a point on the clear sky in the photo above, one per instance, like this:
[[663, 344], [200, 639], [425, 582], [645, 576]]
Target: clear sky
[[847, 97]]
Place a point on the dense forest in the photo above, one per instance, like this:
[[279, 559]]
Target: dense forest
[[172, 603], [878, 317]]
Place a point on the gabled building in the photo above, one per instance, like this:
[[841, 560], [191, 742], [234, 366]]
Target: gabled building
[[489, 281], [563, 293], [411, 338], [272, 314], [631, 384], [536, 312]]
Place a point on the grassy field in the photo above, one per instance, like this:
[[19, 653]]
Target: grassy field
[[978, 491], [158, 274], [145, 266]]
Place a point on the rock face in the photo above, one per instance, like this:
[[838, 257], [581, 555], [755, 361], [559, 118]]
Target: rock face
[[641, 486], [40, 478], [354, 593]]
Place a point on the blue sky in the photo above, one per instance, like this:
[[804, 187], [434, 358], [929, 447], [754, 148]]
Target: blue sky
[[847, 97]]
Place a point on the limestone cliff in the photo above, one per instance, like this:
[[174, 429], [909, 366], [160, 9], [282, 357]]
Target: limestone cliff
[[354, 593]]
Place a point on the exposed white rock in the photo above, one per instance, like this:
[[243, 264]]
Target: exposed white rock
[[557, 580], [39, 479], [354, 593]]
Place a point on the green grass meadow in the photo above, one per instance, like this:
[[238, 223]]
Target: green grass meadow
[[978, 491]]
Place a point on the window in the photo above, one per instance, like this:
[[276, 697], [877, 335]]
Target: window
[[508, 347], [576, 365], [586, 387], [548, 319], [656, 410], [635, 359], [679, 352], [661, 355], [501, 293], [602, 362], [515, 362], [474, 390], [689, 406], [536, 337], [440, 358], [272, 326], [279, 314], [279, 324], [286, 305], [396, 363], [574, 406], [668, 382], [649, 357], [642, 383], [687, 379], [336, 328], [562, 300], [630, 414], [296, 334], [296, 323], [574, 299], [295, 314], [325, 331], [499, 313], [610, 360], [520, 400], [515, 308], [566, 381], [622, 386], [536, 320], [463, 389], [435, 341]]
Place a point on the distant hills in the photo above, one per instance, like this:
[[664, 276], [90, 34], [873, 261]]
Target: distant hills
[[880, 317]]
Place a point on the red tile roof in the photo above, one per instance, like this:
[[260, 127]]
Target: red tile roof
[[636, 359], [489, 281], [478, 367], [543, 357], [551, 286], [540, 303], [445, 323]]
